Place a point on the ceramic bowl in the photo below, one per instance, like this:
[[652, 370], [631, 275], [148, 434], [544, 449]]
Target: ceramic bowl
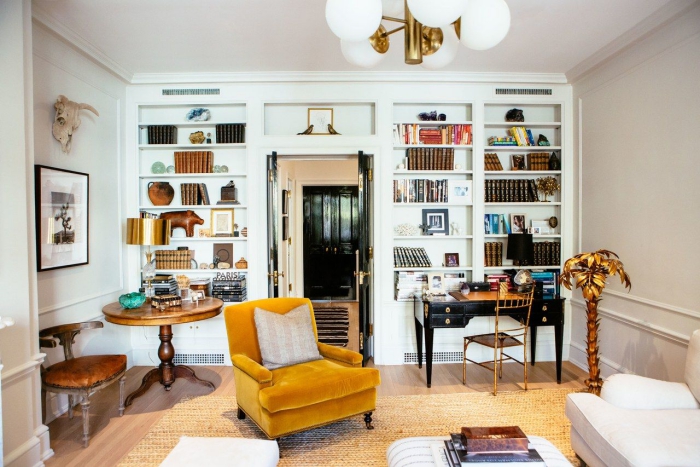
[[132, 300]]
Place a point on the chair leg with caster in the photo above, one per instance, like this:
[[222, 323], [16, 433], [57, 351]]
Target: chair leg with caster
[[240, 414], [368, 421]]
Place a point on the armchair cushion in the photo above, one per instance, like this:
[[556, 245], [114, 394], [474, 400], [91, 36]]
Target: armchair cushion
[[638, 392], [286, 339]]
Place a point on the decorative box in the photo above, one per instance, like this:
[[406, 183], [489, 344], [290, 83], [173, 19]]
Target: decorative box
[[228, 192], [166, 301]]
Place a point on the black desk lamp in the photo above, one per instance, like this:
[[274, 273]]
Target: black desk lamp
[[521, 251]]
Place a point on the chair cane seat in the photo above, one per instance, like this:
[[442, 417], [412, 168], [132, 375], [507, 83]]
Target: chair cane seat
[[84, 372], [504, 340]]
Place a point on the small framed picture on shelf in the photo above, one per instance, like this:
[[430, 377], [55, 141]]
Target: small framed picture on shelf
[[320, 118], [221, 223], [451, 260], [540, 227], [435, 283], [436, 221], [517, 162], [223, 252], [517, 223], [459, 191]]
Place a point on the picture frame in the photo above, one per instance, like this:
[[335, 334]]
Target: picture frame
[[540, 227], [517, 223], [460, 192], [320, 118], [285, 228], [221, 223], [224, 251], [285, 202], [451, 260], [61, 214], [436, 282], [517, 162], [436, 221], [197, 295]]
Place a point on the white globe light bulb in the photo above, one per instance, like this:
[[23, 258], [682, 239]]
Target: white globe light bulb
[[393, 8], [484, 23], [353, 20], [360, 53], [447, 51], [436, 14]]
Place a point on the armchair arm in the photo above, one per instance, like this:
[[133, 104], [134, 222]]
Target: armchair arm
[[340, 355], [637, 392], [252, 368]]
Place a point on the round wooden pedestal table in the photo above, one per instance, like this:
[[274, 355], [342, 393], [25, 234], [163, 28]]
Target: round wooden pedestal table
[[146, 315]]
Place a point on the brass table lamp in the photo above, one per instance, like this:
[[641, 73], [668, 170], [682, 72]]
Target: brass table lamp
[[147, 232]]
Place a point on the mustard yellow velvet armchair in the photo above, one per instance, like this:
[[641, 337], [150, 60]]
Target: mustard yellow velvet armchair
[[299, 397]]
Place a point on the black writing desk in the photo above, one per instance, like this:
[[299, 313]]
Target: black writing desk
[[447, 312]]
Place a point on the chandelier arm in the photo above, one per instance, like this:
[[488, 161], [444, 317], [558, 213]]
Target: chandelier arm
[[388, 33], [396, 20]]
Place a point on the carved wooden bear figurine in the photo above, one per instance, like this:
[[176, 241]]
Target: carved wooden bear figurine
[[184, 219]]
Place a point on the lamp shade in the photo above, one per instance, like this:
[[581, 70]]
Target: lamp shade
[[447, 51], [436, 14], [353, 20], [520, 249], [484, 23], [360, 53], [147, 231]]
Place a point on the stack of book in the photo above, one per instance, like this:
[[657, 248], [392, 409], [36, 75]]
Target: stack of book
[[452, 281], [162, 134], [546, 283], [194, 194], [194, 162], [430, 158], [523, 136], [415, 190], [495, 224], [546, 253], [492, 162], [414, 133], [502, 141], [511, 191], [227, 133], [409, 285], [493, 254], [164, 285], [482, 446], [494, 281], [408, 257], [538, 161], [173, 259], [231, 290]]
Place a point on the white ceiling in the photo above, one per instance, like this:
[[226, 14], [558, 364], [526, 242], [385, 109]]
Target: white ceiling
[[227, 36]]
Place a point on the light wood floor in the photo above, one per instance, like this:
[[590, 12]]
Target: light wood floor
[[112, 437]]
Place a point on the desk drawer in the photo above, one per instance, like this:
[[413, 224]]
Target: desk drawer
[[447, 320], [546, 313]]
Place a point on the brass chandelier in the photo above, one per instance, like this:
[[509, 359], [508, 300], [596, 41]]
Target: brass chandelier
[[432, 29]]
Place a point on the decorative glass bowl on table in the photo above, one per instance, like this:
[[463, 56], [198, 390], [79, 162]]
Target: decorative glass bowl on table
[[132, 300]]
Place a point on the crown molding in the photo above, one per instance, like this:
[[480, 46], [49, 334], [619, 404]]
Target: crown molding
[[351, 76], [68, 35], [652, 23]]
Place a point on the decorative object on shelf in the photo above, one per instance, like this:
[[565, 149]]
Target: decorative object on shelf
[[554, 162], [217, 169], [197, 137], [244, 232], [67, 120], [540, 227], [435, 283], [437, 220], [451, 260], [224, 169], [432, 35], [132, 300], [208, 138], [223, 252], [542, 140], [236, 233], [423, 228], [204, 233], [589, 272], [308, 130], [517, 223], [183, 283], [198, 114], [515, 115], [160, 193], [548, 186], [158, 168], [320, 120], [432, 116], [61, 210], [204, 266], [170, 169], [222, 222], [553, 222], [517, 162], [406, 230], [331, 130], [182, 219], [460, 192], [456, 229], [520, 249], [242, 263], [458, 167], [228, 191], [148, 232], [223, 265]]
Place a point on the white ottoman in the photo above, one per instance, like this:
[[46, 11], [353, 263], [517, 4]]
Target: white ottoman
[[417, 452], [220, 452]]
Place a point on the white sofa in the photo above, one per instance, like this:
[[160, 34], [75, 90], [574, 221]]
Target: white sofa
[[640, 421]]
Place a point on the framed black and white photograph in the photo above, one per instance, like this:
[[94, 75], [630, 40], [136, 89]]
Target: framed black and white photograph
[[517, 223], [517, 162], [435, 283], [451, 260], [221, 223], [459, 192], [285, 202], [436, 221], [61, 208], [320, 118]]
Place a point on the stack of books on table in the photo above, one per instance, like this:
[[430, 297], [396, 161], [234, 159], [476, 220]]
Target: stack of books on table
[[164, 285], [233, 290], [490, 446]]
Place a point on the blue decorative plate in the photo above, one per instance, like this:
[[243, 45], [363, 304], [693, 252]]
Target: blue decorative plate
[[158, 168]]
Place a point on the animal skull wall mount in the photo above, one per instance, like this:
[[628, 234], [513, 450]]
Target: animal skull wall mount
[[67, 120]]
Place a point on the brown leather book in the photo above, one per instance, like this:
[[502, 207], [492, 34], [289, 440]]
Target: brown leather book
[[494, 439]]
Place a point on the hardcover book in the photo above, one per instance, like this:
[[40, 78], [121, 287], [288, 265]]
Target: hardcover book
[[494, 439]]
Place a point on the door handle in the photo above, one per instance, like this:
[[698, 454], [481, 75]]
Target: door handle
[[361, 275], [335, 250], [275, 276]]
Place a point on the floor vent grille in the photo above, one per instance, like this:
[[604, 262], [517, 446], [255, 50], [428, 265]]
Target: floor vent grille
[[438, 357], [199, 359], [192, 92], [523, 92]]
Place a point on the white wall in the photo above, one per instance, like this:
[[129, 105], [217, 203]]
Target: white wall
[[637, 119]]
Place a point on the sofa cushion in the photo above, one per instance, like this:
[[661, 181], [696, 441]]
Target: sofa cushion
[[313, 382], [692, 365], [637, 392], [286, 339], [635, 437]]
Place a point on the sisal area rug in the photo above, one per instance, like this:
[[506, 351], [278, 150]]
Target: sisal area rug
[[349, 443]]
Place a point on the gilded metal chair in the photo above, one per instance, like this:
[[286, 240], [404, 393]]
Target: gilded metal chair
[[517, 304], [79, 376]]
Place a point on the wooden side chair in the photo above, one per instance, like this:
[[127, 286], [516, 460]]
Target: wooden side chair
[[517, 305], [79, 376]]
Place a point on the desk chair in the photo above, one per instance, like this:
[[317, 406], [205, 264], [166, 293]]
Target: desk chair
[[79, 376], [503, 337]]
